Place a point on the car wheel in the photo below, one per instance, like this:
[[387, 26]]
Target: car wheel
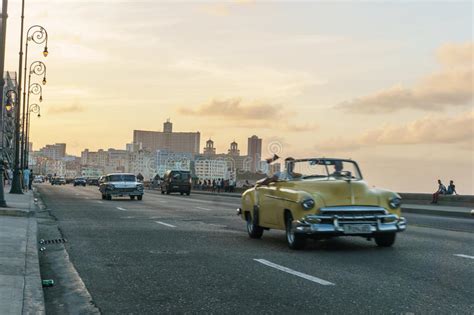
[[132, 197], [167, 192], [162, 192], [253, 229], [103, 197], [294, 240], [140, 197], [182, 193], [108, 197], [385, 240], [188, 193]]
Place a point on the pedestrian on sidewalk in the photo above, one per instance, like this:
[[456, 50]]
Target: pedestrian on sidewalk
[[30, 181], [441, 191], [10, 175], [26, 178], [451, 189]]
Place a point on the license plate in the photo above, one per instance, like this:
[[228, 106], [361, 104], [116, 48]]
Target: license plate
[[357, 229]]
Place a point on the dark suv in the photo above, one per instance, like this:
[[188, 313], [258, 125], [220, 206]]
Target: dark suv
[[176, 181]]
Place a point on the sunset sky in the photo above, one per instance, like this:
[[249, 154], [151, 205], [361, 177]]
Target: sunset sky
[[389, 84]]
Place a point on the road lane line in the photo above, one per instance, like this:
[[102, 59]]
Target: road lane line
[[121, 209], [202, 208], [100, 201], [293, 272], [165, 224], [464, 256]]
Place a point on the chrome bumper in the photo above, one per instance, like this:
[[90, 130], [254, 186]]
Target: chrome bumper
[[334, 224]]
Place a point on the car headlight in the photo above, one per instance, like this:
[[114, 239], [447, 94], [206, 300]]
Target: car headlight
[[140, 187], [395, 202], [308, 204]]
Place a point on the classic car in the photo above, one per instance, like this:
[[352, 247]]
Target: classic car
[[120, 185], [58, 180], [322, 198], [79, 181], [176, 181]]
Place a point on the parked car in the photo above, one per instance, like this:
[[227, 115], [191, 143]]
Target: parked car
[[176, 181], [322, 198], [38, 179], [58, 180], [79, 181], [121, 185]]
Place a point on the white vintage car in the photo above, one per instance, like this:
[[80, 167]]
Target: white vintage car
[[121, 185]]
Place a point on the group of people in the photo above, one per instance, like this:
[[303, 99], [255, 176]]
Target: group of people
[[442, 190], [221, 184], [26, 177]]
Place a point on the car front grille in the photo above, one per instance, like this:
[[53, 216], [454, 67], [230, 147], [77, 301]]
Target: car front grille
[[125, 190]]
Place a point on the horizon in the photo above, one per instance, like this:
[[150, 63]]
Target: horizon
[[396, 97]]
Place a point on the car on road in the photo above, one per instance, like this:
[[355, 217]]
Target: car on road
[[79, 181], [121, 185], [38, 179], [176, 181], [322, 198], [92, 181], [58, 180]]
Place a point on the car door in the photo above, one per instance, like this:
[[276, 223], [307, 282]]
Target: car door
[[268, 205]]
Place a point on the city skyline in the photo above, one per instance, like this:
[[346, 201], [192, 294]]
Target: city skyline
[[394, 96]]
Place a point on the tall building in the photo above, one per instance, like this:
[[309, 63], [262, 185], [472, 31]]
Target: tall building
[[54, 151], [172, 161], [254, 151], [177, 142]]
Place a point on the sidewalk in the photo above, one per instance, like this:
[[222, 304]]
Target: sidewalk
[[440, 210], [21, 291]]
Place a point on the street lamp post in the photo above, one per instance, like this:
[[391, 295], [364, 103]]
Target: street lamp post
[[34, 89], [38, 68], [38, 35], [11, 97]]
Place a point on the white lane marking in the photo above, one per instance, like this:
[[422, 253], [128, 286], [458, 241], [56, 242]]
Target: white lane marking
[[121, 209], [165, 224], [293, 272], [100, 201], [202, 208], [464, 256]]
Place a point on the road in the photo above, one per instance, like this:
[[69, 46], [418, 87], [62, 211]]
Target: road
[[180, 254]]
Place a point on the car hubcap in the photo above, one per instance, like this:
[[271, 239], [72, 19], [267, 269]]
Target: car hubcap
[[249, 226], [290, 235]]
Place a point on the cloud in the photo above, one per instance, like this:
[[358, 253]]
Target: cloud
[[458, 130], [233, 109], [451, 86], [66, 109], [257, 115]]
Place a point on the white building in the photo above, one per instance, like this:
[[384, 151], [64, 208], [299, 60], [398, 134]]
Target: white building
[[166, 160], [143, 162], [206, 169]]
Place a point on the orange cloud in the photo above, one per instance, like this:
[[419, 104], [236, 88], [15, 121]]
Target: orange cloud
[[451, 86]]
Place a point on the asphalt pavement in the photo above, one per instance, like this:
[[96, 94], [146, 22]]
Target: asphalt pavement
[[191, 254]]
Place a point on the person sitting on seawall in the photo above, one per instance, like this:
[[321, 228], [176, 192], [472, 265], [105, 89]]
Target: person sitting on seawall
[[451, 189], [441, 191]]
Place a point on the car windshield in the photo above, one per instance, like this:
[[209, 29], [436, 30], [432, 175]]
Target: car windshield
[[325, 168], [180, 176], [122, 178]]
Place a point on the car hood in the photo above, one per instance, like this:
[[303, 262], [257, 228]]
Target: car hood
[[339, 192]]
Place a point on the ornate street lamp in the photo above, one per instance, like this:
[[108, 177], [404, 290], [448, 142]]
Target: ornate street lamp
[[35, 109], [34, 89], [37, 68]]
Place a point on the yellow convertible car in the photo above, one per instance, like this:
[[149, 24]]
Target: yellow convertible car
[[321, 198]]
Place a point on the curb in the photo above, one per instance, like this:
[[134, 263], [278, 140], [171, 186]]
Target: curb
[[15, 212], [198, 192], [441, 213]]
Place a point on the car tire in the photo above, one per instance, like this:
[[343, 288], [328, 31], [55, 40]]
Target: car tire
[[182, 193], [188, 193], [162, 192], [294, 240], [132, 197], [108, 197], [103, 197], [167, 192], [254, 230], [385, 239], [140, 197]]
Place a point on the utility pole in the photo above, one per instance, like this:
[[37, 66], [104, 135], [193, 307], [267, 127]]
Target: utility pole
[[3, 39]]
